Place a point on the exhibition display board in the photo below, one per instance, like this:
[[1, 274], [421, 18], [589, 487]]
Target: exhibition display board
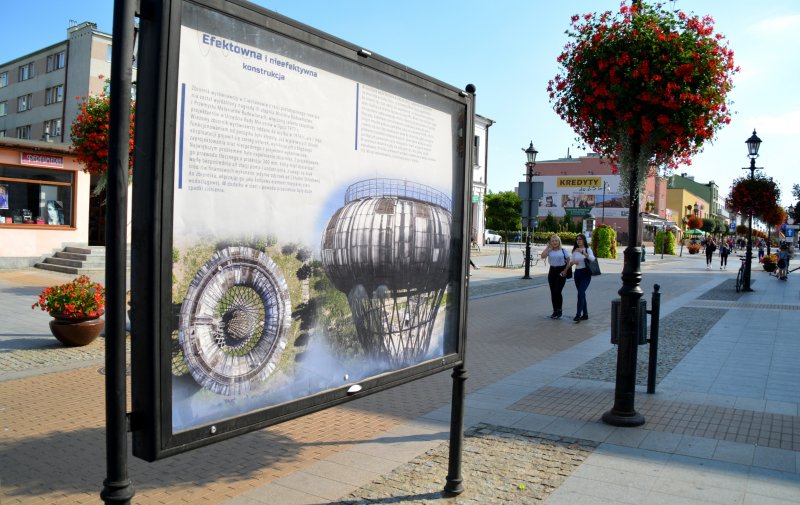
[[299, 231]]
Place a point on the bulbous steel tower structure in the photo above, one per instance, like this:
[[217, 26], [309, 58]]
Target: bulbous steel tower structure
[[388, 250]]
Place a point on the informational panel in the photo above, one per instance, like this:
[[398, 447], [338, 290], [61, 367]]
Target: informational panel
[[317, 228]]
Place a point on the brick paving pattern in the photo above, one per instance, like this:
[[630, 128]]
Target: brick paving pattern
[[721, 423], [527, 467]]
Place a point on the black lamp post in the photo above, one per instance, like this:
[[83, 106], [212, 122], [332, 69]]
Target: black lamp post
[[753, 143], [531, 153]]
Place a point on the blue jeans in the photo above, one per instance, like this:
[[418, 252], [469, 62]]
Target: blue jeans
[[582, 278]]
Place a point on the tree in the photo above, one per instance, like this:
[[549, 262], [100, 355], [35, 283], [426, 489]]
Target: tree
[[694, 223], [503, 213], [645, 87]]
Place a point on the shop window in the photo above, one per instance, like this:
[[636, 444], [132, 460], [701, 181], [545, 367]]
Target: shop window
[[36, 196]]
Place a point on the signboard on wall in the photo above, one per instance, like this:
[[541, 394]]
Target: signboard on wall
[[314, 235]]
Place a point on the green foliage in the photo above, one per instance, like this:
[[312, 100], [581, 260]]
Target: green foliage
[[548, 224], [604, 242], [667, 239], [503, 211]]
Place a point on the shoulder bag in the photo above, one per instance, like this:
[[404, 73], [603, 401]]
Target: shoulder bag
[[566, 260], [593, 266]]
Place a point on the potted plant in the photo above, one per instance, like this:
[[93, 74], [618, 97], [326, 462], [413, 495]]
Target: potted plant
[[76, 307], [693, 248]]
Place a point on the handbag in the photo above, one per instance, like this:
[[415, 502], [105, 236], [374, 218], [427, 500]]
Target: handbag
[[593, 266], [569, 272]]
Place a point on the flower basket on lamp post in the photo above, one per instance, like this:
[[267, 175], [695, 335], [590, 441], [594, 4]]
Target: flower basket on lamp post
[[644, 87]]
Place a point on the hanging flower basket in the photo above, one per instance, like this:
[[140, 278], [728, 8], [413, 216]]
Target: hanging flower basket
[[757, 196]]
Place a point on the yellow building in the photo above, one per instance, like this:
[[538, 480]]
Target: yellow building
[[684, 203]]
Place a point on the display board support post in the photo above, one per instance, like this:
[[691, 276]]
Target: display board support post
[[117, 487], [455, 481]]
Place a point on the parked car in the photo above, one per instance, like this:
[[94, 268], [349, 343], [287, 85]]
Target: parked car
[[491, 237]]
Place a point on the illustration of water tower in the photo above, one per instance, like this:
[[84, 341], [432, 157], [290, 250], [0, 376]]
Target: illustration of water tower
[[388, 250]]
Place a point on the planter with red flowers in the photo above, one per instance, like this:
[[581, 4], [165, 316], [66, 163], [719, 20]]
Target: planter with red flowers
[[76, 307]]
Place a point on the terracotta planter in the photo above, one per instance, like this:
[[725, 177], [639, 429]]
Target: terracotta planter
[[76, 332]]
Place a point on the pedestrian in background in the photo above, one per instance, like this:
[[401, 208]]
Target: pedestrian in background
[[760, 251], [560, 271], [783, 262], [711, 246], [724, 251], [580, 253]]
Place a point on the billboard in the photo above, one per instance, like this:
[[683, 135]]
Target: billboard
[[582, 196], [311, 205]]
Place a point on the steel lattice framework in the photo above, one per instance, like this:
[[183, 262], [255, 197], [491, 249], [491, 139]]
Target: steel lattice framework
[[235, 320]]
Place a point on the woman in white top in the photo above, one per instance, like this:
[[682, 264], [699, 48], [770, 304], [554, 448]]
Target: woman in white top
[[580, 253], [557, 276]]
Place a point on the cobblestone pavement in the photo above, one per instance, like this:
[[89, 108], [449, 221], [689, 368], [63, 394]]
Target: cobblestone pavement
[[531, 466]]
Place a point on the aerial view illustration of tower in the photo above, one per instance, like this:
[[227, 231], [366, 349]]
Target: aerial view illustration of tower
[[235, 320], [388, 250]]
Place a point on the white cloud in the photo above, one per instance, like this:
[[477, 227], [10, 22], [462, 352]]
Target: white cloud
[[779, 24], [787, 123]]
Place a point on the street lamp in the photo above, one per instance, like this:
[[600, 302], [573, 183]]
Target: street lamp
[[605, 187], [530, 153], [753, 143]]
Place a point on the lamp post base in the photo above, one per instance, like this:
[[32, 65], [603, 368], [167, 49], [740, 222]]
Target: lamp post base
[[623, 419]]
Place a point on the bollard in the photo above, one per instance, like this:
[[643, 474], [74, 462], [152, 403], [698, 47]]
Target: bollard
[[654, 317]]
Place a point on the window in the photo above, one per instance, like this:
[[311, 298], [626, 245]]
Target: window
[[108, 52], [3, 79], [26, 72], [36, 196], [56, 61], [476, 150], [54, 94], [3, 108], [24, 102], [2, 133], [53, 127], [24, 132]]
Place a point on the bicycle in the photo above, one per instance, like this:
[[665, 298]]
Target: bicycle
[[740, 274]]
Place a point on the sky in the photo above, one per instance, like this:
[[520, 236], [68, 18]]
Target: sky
[[508, 50]]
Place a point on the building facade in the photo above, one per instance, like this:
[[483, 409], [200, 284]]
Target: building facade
[[45, 200], [587, 187], [38, 91], [480, 177]]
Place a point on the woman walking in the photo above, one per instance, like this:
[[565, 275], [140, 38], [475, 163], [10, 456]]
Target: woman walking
[[711, 246], [724, 251], [560, 271], [580, 253]]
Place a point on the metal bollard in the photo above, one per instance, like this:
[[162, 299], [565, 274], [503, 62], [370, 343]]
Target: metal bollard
[[654, 312]]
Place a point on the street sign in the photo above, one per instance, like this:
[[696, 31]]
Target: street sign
[[476, 198], [733, 226], [793, 226], [530, 193]]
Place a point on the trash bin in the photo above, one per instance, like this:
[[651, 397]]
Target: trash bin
[[641, 318]]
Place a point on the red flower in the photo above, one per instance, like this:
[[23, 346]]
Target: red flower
[[658, 78], [79, 298]]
